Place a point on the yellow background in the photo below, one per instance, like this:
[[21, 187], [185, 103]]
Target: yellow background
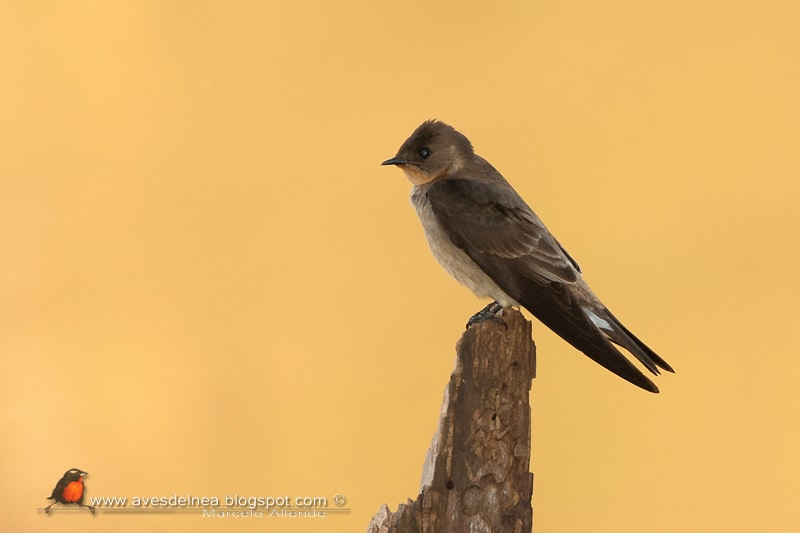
[[209, 285]]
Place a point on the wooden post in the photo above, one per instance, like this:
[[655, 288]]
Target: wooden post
[[476, 474]]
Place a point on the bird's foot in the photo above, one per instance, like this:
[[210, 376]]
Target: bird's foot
[[89, 507], [487, 313]]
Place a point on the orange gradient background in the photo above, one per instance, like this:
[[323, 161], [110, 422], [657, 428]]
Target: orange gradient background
[[209, 285]]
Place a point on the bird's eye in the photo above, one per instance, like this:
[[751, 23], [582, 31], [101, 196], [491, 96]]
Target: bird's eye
[[425, 153]]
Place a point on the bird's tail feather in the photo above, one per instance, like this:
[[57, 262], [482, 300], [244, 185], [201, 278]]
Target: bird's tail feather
[[622, 336], [563, 313]]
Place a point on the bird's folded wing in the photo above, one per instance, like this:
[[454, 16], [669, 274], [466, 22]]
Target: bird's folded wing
[[501, 234]]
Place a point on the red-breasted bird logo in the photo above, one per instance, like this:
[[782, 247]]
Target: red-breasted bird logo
[[69, 490]]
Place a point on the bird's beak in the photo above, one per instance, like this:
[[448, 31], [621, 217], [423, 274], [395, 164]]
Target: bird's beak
[[395, 161]]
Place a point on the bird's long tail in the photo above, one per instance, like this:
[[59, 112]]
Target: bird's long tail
[[622, 336], [578, 316]]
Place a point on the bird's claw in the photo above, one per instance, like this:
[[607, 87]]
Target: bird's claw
[[487, 313]]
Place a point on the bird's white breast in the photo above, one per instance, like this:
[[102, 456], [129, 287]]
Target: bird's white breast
[[457, 263]]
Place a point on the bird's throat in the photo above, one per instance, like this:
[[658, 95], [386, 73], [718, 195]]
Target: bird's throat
[[416, 176]]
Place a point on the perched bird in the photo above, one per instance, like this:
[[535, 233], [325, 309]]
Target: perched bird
[[69, 489], [485, 235]]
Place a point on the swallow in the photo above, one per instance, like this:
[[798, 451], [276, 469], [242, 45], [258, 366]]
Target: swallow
[[485, 236], [69, 490]]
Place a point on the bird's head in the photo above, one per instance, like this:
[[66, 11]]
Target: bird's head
[[433, 150], [75, 474]]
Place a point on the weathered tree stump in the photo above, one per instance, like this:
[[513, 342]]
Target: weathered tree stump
[[476, 474]]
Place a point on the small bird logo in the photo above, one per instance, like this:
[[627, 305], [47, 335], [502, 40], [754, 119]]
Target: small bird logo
[[69, 489]]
